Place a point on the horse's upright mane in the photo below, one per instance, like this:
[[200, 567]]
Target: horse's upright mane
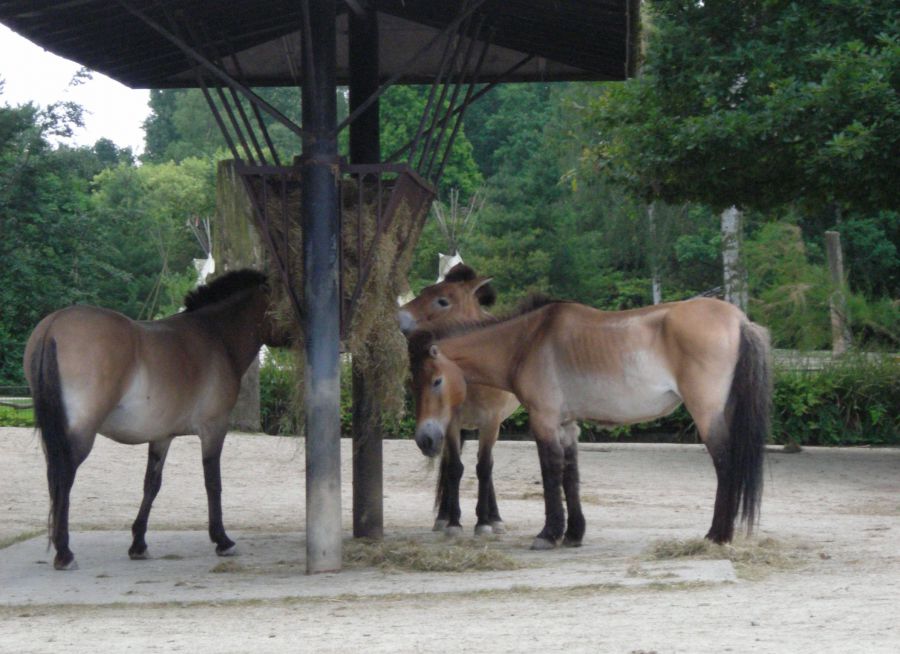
[[223, 288], [529, 304]]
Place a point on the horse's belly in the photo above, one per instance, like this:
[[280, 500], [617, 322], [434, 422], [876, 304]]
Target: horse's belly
[[621, 399], [146, 413]]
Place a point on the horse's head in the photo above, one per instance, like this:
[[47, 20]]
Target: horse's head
[[460, 297], [438, 389]]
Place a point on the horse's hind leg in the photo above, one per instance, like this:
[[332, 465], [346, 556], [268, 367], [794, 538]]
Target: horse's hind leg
[[61, 477], [570, 481], [705, 401], [211, 449], [489, 520], [156, 458]]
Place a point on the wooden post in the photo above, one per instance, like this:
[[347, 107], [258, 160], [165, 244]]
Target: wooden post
[[840, 323], [365, 148], [733, 272]]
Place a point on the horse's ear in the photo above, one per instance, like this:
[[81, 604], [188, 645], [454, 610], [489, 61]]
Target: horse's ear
[[433, 351], [484, 292]]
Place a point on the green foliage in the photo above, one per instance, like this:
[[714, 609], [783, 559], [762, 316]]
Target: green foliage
[[847, 403], [11, 417], [758, 104], [277, 384]]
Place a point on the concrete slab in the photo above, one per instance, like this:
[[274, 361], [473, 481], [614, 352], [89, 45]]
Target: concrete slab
[[185, 569]]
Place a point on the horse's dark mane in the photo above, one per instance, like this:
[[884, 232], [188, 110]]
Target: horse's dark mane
[[460, 273], [420, 342], [223, 288]]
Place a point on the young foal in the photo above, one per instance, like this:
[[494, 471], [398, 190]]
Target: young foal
[[93, 370], [566, 362], [459, 299]]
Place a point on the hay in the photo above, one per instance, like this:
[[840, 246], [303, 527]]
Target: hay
[[751, 559], [372, 338], [411, 556]]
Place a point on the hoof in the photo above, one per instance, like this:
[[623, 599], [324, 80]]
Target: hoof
[[440, 524], [232, 550], [540, 543], [65, 565], [571, 542], [484, 530], [453, 531], [499, 527], [138, 556]]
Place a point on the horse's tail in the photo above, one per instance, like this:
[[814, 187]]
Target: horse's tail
[[50, 418], [749, 417]]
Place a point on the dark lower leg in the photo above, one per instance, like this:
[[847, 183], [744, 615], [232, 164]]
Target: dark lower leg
[[156, 456], [570, 483], [213, 478], [485, 490], [442, 499], [551, 456], [451, 491], [722, 528], [64, 557]]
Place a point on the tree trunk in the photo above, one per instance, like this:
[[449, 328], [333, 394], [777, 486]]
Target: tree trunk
[[840, 323], [655, 281], [734, 273]]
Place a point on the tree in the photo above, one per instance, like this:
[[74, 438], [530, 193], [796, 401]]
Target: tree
[[760, 103]]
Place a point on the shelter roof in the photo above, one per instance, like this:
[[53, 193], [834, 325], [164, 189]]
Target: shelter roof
[[568, 39]]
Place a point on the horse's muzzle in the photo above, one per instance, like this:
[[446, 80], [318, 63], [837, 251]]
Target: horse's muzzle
[[430, 437], [406, 321]]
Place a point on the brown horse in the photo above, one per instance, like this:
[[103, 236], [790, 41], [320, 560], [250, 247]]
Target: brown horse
[[93, 370], [459, 299], [566, 361]]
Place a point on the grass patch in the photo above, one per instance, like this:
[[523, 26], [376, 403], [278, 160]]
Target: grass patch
[[752, 559], [426, 557]]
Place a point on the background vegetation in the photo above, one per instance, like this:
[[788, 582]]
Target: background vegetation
[[788, 110]]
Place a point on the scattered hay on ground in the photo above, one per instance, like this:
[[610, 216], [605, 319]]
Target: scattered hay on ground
[[752, 559], [412, 556], [227, 566]]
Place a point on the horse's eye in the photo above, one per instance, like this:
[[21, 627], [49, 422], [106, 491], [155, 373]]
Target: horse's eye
[[437, 382], [443, 302]]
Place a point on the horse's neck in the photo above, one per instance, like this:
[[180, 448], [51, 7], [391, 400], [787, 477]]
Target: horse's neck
[[237, 323], [487, 355]]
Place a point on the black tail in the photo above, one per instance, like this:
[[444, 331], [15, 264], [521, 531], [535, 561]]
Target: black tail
[[748, 413], [50, 417]]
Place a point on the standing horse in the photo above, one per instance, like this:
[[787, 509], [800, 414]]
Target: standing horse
[[93, 370], [460, 299], [566, 362]]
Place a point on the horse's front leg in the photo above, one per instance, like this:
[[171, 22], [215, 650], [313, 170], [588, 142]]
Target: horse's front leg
[[489, 520], [156, 459], [211, 448], [551, 454], [452, 473]]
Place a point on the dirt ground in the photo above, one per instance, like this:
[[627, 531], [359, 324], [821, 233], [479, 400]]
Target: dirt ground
[[822, 573]]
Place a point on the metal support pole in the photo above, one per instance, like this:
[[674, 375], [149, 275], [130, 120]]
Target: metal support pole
[[321, 243], [365, 148]]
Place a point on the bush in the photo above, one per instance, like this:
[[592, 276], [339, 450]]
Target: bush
[[11, 417], [850, 402]]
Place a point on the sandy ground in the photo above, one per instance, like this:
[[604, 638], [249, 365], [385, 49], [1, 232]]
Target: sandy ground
[[831, 516]]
